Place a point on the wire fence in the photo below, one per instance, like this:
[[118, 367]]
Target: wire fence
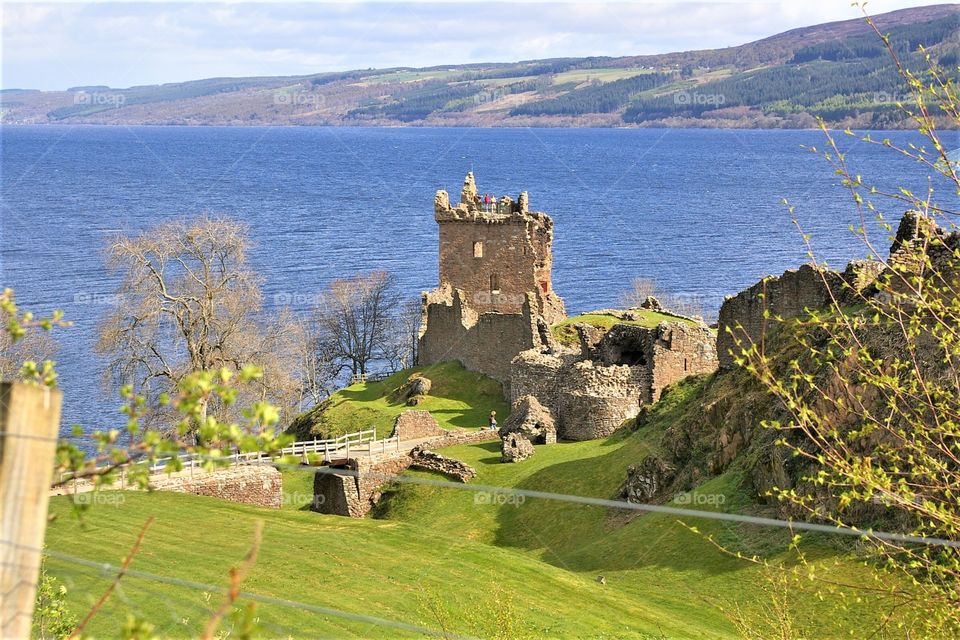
[[91, 567]]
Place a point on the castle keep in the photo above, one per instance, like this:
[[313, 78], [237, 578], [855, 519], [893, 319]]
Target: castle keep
[[496, 296]]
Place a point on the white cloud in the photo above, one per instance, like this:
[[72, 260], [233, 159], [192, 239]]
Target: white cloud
[[53, 46]]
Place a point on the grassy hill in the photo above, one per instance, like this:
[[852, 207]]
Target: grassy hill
[[839, 71], [458, 399], [451, 559]]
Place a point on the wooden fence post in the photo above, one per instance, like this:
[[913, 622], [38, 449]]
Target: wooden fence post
[[29, 422]]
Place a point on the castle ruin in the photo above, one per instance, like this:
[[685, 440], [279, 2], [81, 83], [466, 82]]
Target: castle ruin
[[495, 307], [496, 295], [592, 390]]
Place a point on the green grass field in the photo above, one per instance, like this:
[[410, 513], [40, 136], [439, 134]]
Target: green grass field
[[459, 561]]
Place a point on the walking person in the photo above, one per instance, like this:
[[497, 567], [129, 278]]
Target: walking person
[[493, 420]]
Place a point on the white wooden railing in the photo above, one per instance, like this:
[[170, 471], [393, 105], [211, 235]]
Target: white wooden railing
[[360, 443]]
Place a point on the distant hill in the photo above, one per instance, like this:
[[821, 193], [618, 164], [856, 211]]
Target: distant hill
[[840, 71]]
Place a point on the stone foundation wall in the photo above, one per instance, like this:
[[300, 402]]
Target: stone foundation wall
[[257, 485], [592, 393], [354, 492], [458, 437]]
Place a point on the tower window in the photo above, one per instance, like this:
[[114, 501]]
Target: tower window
[[494, 283], [478, 249]]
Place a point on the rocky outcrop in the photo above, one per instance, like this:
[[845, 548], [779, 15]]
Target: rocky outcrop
[[531, 420], [426, 460], [646, 480], [413, 425], [413, 391], [514, 447], [652, 304]]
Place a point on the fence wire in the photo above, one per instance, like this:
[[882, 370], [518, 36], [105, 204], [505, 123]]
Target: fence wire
[[112, 570]]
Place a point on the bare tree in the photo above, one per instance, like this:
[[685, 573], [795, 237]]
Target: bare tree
[[35, 345], [190, 302], [403, 338], [317, 363], [643, 288], [355, 317], [640, 289]]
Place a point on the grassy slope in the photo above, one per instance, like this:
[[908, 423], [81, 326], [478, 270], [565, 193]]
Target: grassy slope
[[652, 557], [459, 398], [444, 558], [566, 334]]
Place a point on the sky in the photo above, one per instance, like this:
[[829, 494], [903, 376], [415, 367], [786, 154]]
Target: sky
[[54, 46]]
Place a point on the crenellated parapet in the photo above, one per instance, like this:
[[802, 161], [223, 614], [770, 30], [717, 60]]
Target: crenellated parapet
[[476, 207]]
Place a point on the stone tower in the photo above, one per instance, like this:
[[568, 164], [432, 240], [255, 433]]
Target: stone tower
[[497, 253], [496, 296]]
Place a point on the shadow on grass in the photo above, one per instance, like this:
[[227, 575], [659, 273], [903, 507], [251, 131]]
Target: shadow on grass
[[595, 538]]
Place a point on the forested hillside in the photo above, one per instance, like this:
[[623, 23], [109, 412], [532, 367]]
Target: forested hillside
[[840, 71]]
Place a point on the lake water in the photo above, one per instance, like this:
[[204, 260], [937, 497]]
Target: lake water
[[696, 210]]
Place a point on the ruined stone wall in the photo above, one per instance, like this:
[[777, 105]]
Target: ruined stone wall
[[586, 417], [257, 485], [458, 437], [680, 350], [595, 399], [592, 393], [485, 343], [787, 296], [426, 460], [588, 399], [536, 374], [354, 492]]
